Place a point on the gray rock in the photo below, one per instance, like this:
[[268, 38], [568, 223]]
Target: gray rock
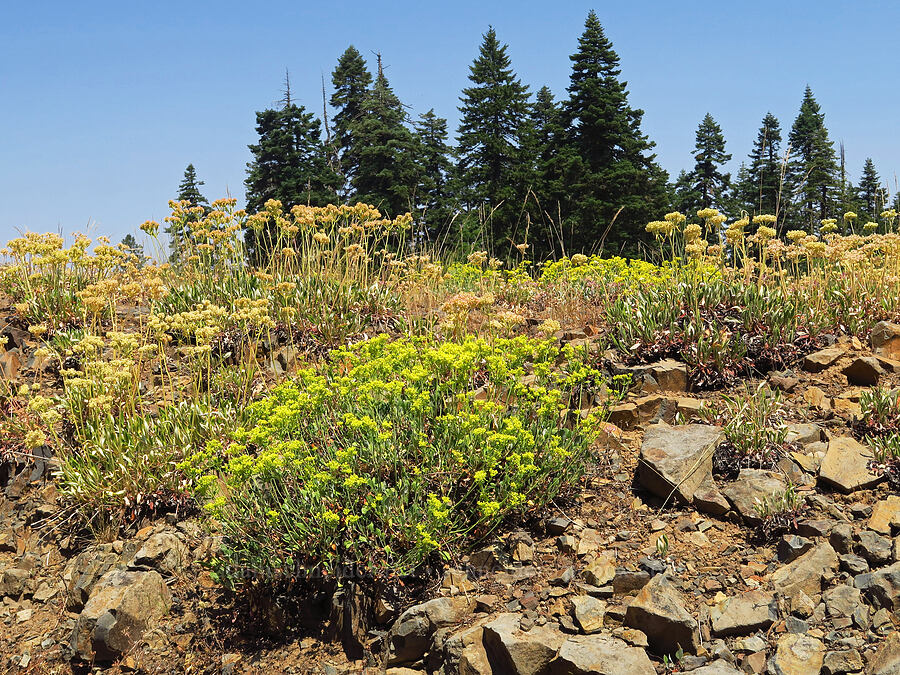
[[677, 459], [600, 655], [846, 465], [464, 653], [841, 600], [162, 551], [797, 654], [513, 651], [410, 636], [752, 487], [886, 660], [804, 434], [853, 564], [719, 667], [670, 375], [658, 611], [885, 515], [743, 614], [806, 573], [841, 538], [790, 547], [882, 586], [864, 371], [822, 359], [840, 663], [82, 573], [12, 582], [874, 548], [708, 499], [627, 581], [121, 607]]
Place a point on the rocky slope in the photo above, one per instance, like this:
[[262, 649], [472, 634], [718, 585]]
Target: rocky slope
[[655, 566]]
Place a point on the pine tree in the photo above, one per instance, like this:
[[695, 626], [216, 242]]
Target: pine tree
[[351, 80], [615, 186], [492, 124], [434, 159], [684, 194], [709, 184], [188, 191], [289, 164], [869, 192], [812, 169], [758, 189], [388, 173]]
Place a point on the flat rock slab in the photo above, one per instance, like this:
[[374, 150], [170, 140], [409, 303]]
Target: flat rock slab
[[677, 459], [743, 614], [846, 465], [600, 655], [822, 359], [658, 611], [753, 486]]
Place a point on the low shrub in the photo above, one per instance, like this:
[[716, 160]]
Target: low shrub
[[394, 452]]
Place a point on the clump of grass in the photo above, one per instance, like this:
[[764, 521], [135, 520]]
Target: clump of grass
[[395, 453], [779, 513], [754, 428]]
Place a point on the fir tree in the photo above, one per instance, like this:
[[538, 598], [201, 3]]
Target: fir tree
[[709, 184], [812, 170], [289, 164], [492, 124], [131, 244], [758, 189], [434, 159], [351, 80], [387, 174], [869, 192], [541, 166], [684, 194], [615, 186], [188, 191]]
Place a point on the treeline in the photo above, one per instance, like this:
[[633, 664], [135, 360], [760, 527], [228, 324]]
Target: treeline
[[569, 175]]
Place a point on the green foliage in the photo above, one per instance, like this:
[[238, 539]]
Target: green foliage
[[289, 164], [870, 192], [812, 170], [492, 123], [393, 452], [754, 423], [708, 185], [435, 201], [387, 174], [613, 182], [758, 187], [351, 80], [188, 191]]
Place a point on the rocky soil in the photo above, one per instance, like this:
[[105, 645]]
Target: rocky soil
[[655, 566]]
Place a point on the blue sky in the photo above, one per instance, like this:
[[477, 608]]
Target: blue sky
[[103, 104]]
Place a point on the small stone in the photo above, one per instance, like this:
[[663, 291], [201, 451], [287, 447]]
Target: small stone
[[846, 465], [798, 654], [874, 548], [753, 644], [790, 547], [558, 525], [752, 487], [743, 614], [627, 581], [864, 371], [564, 578], [840, 663], [841, 600], [885, 339], [807, 573], [589, 613], [886, 660], [658, 610], [794, 625], [822, 359], [885, 515], [853, 564], [600, 571], [841, 538], [675, 460]]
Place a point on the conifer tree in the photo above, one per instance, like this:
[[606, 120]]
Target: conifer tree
[[541, 144], [352, 80], [758, 189], [289, 164], [387, 173], [615, 186], [812, 169], [188, 191], [869, 192], [131, 243], [709, 184], [492, 124], [434, 159]]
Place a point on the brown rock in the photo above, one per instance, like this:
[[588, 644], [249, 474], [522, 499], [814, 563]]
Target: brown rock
[[846, 465], [677, 459], [658, 611], [822, 359]]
